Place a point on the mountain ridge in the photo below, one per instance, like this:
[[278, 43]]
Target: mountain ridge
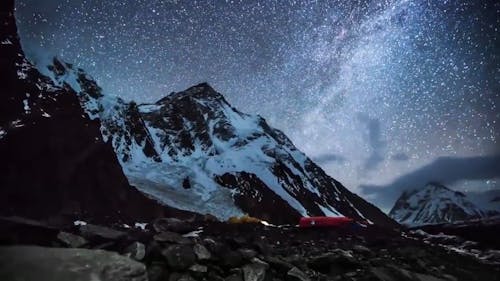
[[196, 138], [56, 165], [434, 203]]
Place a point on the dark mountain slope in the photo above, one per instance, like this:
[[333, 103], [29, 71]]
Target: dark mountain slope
[[54, 161]]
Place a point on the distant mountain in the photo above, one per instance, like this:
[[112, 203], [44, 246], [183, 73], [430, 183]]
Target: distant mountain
[[434, 203], [192, 150], [488, 200], [54, 162]]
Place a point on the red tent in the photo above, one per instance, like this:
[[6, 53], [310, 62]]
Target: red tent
[[324, 221]]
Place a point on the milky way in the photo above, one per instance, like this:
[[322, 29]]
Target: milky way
[[369, 89]]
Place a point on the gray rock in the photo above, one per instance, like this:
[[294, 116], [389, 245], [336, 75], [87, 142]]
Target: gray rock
[[179, 256], [296, 274], [256, 271], [232, 259], [361, 249], [279, 264], [234, 277], [172, 224], [201, 252], [247, 254], [136, 250], [71, 240], [91, 231], [157, 272], [171, 237], [198, 268], [336, 259], [181, 277], [29, 263], [393, 273]]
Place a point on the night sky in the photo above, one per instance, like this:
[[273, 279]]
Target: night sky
[[373, 91]]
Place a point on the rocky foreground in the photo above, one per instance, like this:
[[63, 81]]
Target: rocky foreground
[[174, 250]]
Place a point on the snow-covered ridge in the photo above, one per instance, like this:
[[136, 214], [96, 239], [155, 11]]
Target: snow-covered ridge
[[434, 203], [193, 151]]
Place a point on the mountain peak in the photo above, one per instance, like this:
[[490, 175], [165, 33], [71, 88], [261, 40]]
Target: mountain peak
[[434, 203], [202, 91]]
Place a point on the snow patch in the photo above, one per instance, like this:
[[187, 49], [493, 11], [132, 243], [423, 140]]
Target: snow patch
[[79, 222], [27, 108], [6, 41], [16, 123], [141, 225], [195, 233]]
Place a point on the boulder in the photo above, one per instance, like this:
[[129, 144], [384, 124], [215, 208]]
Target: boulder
[[279, 264], [234, 277], [91, 231], [179, 256], [201, 252], [255, 271], [247, 254], [157, 271], [173, 224], [136, 250], [198, 268], [33, 263], [393, 273], [171, 237], [296, 274], [71, 240], [334, 261]]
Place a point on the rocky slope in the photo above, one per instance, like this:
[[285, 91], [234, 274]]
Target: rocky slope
[[434, 203], [192, 150], [55, 163], [168, 249]]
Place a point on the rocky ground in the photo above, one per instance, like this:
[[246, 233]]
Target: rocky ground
[[173, 250]]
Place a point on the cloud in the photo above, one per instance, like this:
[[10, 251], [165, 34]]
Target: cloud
[[328, 158], [375, 141], [446, 170]]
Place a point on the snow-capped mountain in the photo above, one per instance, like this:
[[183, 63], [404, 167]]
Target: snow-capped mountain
[[55, 163], [192, 150], [434, 203]]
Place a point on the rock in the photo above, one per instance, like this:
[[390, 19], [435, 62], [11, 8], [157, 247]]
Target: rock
[[198, 268], [263, 247], [232, 259], [71, 240], [179, 256], [104, 246], [181, 277], [247, 254], [234, 277], [351, 274], [171, 237], [296, 274], [172, 224], [91, 231], [136, 250], [29, 263], [256, 271], [157, 272], [279, 264], [210, 218], [334, 261], [201, 252], [186, 278], [393, 273], [217, 248], [361, 249]]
